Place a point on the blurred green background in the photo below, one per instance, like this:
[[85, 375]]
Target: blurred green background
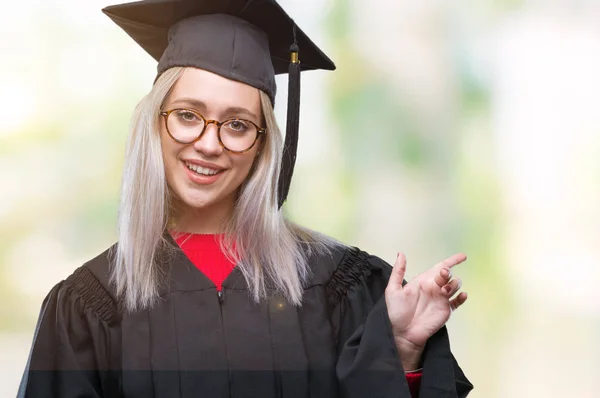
[[466, 126]]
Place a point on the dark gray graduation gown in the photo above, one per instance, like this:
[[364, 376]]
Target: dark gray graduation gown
[[197, 344]]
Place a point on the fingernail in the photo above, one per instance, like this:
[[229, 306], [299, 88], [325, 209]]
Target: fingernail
[[447, 289]]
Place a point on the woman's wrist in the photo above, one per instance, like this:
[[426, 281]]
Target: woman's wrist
[[410, 355], [412, 372], [411, 364]]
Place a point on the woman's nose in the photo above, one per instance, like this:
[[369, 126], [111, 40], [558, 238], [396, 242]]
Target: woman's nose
[[208, 143]]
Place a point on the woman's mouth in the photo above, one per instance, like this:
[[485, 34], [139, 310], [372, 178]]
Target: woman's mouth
[[202, 175], [203, 171]]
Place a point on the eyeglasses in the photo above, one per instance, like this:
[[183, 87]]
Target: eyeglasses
[[235, 135]]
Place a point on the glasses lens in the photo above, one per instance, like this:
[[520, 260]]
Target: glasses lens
[[238, 134], [185, 126]]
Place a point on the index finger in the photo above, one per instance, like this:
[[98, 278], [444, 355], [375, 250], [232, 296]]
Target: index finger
[[452, 261]]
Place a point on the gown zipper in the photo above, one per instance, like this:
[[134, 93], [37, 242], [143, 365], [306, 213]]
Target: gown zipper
[[221, 299]]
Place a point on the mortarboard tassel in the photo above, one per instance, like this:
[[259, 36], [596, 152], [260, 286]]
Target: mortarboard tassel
[[290, 145]]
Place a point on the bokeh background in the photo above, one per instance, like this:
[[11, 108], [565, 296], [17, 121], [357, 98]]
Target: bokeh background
[[449, 126]]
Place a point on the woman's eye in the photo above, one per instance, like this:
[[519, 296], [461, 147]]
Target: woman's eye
[[186, 116], [238, 126]]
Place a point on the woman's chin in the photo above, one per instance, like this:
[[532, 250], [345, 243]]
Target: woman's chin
[[203, 202], [210, 204], [198, 203]]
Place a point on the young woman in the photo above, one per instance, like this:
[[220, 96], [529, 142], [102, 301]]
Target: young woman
[[210, 291]]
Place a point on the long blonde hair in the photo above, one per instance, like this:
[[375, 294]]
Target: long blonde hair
[[270, 251]]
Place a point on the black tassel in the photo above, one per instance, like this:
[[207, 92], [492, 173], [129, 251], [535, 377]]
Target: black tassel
[[290, 145]]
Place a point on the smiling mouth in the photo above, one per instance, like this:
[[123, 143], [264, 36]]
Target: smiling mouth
[[203, 171]]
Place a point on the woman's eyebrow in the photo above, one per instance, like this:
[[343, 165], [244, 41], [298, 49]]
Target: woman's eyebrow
[[190, 102], [233, 110]]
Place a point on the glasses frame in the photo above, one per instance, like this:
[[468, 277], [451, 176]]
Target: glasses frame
[[260, 131]]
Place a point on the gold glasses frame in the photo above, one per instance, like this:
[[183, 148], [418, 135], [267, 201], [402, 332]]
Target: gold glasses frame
[[260, 131]]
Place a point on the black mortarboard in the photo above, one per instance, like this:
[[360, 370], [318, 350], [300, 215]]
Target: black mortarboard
[[245, 40]]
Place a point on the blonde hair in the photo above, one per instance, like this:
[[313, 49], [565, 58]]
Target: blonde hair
[[271, 252]]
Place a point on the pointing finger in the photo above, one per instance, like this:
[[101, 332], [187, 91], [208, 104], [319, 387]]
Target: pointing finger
[[452, 261]]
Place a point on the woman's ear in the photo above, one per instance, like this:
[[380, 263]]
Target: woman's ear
[[261, 145]]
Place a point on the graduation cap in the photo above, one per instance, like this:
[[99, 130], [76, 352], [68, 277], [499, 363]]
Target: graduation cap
[[244, 40]]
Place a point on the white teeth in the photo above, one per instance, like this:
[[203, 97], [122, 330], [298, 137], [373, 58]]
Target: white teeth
[[201, 170]]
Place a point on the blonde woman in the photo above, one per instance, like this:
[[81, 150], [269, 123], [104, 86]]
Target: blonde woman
[[210, 291]]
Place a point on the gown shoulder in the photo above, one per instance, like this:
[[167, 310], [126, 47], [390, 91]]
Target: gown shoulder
[[355, 268], [90, 284], [76, 340], [99, 268]]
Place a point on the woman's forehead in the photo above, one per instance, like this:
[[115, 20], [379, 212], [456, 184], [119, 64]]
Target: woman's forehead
[[207, 89]]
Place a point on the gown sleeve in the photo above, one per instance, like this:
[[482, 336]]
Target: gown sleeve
[[70, 355], [368, 363]]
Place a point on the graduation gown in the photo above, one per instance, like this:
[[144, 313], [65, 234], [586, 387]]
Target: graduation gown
[[197, 342]]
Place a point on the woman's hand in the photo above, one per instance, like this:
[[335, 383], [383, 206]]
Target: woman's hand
[[421, 307]]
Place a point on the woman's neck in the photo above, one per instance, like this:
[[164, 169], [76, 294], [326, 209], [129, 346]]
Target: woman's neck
[[208, 220]]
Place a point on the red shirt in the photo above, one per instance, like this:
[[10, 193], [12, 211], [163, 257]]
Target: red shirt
[[205, 253]]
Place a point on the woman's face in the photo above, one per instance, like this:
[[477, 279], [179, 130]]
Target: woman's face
[[203, 175]]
